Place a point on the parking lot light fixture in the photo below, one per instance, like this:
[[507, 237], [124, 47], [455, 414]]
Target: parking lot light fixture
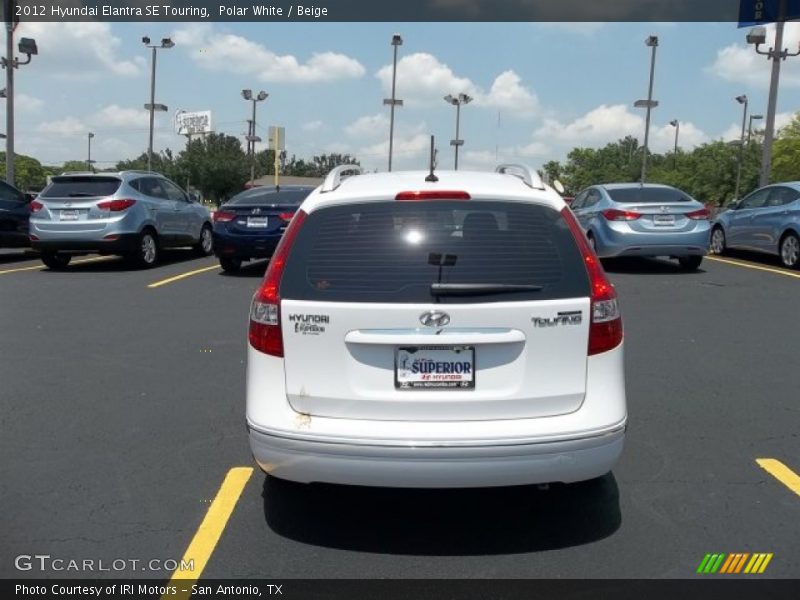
[[777, 54], [393, 101], [744, 102], [251, 136], [89, 160], [677, 125], [166, 44], [649, 104], [750, 128], [457, 101], [27, 46]]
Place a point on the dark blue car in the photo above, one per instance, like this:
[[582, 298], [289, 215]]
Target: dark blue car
[[15, 212], [251, 224]]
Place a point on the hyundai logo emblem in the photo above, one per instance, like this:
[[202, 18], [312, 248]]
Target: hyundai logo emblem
[[434, 318], [256, 211]]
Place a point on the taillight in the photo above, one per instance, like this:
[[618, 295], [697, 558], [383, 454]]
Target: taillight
[[612, 214], [432, 195], [36, 206], [699, 215], [224, 216], [605, 329], [265, 311], [116, 205], [286, 216]]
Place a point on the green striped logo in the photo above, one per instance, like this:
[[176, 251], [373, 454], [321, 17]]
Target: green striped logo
[[733, 564]]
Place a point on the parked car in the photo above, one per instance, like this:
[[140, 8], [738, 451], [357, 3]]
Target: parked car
[[633, 219], [132, 213], [456, 333], [15, 211], [768, 220], [251, 224]]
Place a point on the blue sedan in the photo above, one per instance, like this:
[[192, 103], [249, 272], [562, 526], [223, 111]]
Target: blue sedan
[[251, 224], [768, 220], [633, 219]]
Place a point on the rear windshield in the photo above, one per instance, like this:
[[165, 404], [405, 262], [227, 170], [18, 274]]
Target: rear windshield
[[648, 195], [77, 187], [395, 251], [287, 198]]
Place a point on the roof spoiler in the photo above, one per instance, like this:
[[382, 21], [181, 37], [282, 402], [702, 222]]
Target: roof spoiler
[[336, 176], [524, 172]]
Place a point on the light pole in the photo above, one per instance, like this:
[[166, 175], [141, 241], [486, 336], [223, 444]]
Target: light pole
[[757, 37], [392, 102], [166, 43], [457, 101], [677, 125], [89, 160], [649, 104], [744, 102], [28, 47], [750, 128], [252, 138]]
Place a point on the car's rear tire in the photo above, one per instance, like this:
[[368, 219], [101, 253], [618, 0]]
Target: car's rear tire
[[55, 261], [147, 251], [230, 265], [690, 263], [790, 250], [718, 243], [205, 245]]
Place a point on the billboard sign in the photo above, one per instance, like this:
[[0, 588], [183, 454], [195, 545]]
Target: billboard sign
[[277, 138], [193, 123]]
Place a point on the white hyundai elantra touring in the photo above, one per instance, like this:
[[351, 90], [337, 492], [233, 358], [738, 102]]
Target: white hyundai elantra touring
[[449, 333]]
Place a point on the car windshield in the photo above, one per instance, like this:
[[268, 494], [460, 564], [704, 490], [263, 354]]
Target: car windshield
[[270, 196], [449, 252], [81, 187], [647, 195]]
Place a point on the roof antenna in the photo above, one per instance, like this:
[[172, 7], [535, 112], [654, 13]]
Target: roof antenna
[[431, 176]]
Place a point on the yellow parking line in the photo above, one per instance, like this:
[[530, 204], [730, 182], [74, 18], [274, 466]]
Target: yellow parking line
[[207, 536], [157, 284], [781, 472], [40, 266], [747, 265]]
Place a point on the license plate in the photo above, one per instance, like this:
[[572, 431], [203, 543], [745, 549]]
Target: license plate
[[257, 221], [69, 215], [435, 367], [664, 220]]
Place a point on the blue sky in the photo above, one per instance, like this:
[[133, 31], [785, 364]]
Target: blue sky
[[540, 89]]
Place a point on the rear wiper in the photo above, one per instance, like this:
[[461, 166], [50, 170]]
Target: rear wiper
[[81, 195], [477, 289]]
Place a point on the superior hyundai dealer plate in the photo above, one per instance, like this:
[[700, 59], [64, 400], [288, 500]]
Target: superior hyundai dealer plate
[[435, 367]]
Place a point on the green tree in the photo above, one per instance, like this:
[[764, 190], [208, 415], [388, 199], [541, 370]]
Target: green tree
[[215, 164], [786, 153], [29, 174]]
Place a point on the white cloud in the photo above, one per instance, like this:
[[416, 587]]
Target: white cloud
[[409, 152], [739, 63], [734, 130], [217, 51], [26, 103], [118, 116], [65, 126], [370, 126], [79, 50], [508, 93], [312, 126]]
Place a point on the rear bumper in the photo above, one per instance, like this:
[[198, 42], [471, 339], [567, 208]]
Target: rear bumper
[[124, 243], [244, 247], [437, 465], [612, 242]]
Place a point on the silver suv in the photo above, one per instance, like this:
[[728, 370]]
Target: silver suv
[[132, 213]]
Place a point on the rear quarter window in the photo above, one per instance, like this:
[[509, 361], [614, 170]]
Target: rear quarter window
[[394, 252], [648, 195], [77, 187]]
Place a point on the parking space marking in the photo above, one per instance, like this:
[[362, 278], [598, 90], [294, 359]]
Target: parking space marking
[[781, 472], [41, 267], [747, 265], [205, 540], [157, 284]]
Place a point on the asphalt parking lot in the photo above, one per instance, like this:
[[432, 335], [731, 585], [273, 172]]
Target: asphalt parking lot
[[123, 411]]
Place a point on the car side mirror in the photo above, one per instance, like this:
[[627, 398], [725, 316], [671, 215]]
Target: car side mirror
[[29, 197], [734, 204], [193, 197]]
